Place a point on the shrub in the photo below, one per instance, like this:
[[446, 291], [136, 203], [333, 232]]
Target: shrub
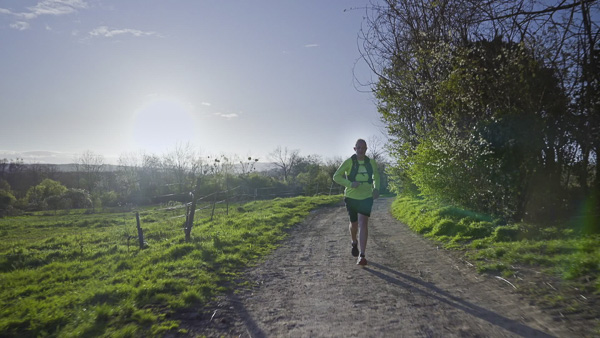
[[506, 234], [37, 195], [479, 229], [446, 227], [7, 199]]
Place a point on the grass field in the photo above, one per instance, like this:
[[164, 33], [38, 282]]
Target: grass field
[[80, 274]]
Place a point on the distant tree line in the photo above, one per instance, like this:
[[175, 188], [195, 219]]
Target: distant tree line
[[493, 105], [144, 179]]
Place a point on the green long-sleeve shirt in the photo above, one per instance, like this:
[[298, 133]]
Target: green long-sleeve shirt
[[364, 190]]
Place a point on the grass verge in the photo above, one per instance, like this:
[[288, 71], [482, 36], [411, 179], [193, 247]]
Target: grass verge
[[556, 265], [83, 274]]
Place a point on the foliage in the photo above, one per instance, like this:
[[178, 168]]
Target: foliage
[[37, 196], [315, 177], [4, 185], [7, 199], [496, 120], [83, 275], [449, 168], [77, 198], [484, 142], [143, 179]]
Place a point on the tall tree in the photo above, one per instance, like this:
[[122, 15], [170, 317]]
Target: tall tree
[[151, 177], [286, 160], [89, 166], [435, 80], [566, 34], [129, 174], [183, 164]]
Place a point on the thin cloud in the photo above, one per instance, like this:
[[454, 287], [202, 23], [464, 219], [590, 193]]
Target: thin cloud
[[312, 45], [48, 7], [106, 32], [227, 116], [56, 7], [20, 25], [206, 104]]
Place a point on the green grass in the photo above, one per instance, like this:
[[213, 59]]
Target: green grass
[[559, 250], [84, 275], [557, 266]]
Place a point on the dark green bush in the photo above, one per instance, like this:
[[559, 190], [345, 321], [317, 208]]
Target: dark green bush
[[446, 227], [506, 234], [479, 229]]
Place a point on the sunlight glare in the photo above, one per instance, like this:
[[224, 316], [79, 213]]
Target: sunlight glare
[[160, 124]]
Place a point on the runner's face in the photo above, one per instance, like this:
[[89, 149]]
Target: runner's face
[[361, 149]]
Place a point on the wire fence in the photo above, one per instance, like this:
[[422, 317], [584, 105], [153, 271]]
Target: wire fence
[[206, 208], [241, 195]]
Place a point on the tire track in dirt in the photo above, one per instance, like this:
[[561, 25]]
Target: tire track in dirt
[[311, 286]]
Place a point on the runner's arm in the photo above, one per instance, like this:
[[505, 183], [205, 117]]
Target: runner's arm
[[376, 180], [340, 175]]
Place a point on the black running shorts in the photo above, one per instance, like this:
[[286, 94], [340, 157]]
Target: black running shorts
[[356, 207]]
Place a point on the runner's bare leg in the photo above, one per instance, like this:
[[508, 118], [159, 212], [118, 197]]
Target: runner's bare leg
[[363, 223], [353, 230]]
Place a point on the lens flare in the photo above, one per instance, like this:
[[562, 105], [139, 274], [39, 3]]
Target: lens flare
[[160, 124]]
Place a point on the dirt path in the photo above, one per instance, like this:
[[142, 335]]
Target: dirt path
[[311, 287]]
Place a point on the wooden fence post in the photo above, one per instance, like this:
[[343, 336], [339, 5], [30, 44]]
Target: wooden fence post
[[212, 214], [139, 229], [227, 204], [226, 196], [190, 218], [187, 215]]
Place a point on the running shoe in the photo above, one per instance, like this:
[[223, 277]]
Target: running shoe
[[361, 261], [355, 249]]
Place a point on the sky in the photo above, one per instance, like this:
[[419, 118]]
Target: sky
[[226, 77]]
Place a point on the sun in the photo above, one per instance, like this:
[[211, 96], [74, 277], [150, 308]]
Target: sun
[[160, 124]]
